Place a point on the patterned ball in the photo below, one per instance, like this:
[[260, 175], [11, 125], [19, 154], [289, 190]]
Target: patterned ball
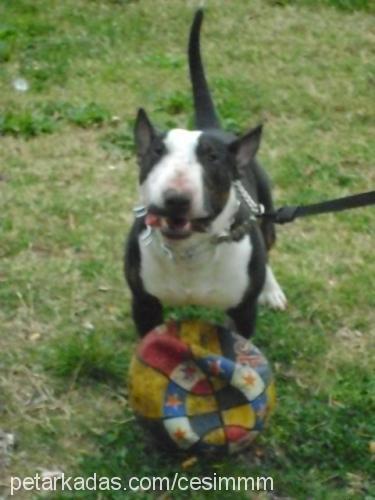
[[200, 387]]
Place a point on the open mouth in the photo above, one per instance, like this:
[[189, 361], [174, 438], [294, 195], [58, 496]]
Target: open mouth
[[176, 227]]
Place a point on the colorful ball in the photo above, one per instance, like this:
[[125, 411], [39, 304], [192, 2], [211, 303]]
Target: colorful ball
[[200, 387]]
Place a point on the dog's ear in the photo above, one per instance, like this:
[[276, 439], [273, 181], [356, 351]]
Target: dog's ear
[[144, 132], [245, 148]]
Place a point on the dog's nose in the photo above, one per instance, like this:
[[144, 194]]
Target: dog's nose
[[177, 202]]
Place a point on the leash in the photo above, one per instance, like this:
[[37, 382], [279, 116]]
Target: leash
[[288, 214], [282, 215]]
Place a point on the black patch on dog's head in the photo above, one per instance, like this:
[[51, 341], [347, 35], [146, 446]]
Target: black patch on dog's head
[[225, 158], [149, 144], [218, 169]]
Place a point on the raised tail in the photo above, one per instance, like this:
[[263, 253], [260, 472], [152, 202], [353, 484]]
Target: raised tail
[[205, 114]]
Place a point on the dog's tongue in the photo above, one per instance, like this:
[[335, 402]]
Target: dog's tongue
[[153, 220]]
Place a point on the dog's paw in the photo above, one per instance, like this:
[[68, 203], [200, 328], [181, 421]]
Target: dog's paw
[[274, 298], [272, 294]]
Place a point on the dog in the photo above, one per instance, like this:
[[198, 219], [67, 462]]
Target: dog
[[196, 238]]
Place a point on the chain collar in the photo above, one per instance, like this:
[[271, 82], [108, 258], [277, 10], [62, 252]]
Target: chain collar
[[253, 209]]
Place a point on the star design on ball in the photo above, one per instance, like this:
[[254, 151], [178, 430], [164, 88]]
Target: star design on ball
[[173, 401], [189, 371], [179, 434], [249, 379]]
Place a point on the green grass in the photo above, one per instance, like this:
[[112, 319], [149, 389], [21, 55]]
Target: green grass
[[45, 118], [344, 5], [68, 181]]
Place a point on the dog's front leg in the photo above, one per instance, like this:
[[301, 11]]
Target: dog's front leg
[[146, 308], [244, 317], [147, 312]]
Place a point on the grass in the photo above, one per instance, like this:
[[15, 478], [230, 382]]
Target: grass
[[68, 182], [344, 5], [46, 118]]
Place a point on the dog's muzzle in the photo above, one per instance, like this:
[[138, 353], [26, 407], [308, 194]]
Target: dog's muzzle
[[174, 219], [178, 224]]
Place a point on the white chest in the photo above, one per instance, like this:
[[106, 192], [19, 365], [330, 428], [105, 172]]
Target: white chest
[[214, 277]]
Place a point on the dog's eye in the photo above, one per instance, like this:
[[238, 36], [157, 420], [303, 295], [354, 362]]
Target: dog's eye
[[212, 156], [158, 149]]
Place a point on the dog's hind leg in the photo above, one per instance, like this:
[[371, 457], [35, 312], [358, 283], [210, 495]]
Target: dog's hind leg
[[265, 198], [272, 294]]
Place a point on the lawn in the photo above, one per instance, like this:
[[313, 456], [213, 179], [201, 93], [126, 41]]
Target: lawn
[[72, 74]]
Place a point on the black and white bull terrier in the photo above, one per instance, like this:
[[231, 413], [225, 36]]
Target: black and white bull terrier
[[192, 241]]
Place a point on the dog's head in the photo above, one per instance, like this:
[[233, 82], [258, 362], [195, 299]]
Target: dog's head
[[186, 176]]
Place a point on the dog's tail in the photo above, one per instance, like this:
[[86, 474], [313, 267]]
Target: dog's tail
[[205, 114]]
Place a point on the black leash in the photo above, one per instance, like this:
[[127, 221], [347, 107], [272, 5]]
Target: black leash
[[282, 215], [287, 214]]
